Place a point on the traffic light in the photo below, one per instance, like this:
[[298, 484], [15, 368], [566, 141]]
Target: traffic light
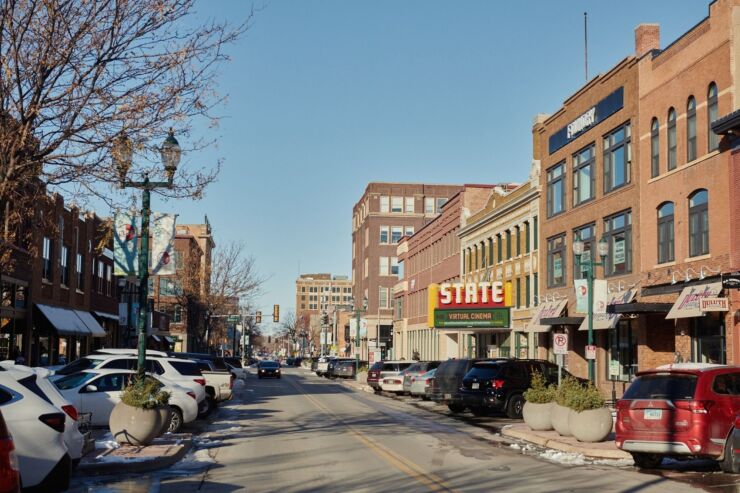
[[275, 313], [258, 318]]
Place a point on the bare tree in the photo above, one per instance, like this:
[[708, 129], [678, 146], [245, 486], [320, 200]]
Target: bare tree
[[74, 75]]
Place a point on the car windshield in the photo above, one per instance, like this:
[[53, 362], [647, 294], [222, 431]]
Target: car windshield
[[269, 364], [429, 374], [414, 367], [79, 365], [662, 386], [73, 381], [484, 370]]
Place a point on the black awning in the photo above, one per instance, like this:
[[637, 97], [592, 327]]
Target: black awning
[[562, 321], [636, 308], [727, 124]]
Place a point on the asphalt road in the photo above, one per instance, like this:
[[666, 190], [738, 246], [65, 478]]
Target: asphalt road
[[305, 434]]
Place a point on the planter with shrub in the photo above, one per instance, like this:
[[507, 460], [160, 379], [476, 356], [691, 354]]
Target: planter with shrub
[[560, 408], [139, 417], [589, 420], [538, 406]]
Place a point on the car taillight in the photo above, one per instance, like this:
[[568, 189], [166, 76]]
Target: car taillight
[[191, 394], [9, 471], [201, 381], [71, 411], [497, 384], [696, 407], [622, 405], [429, 381], [54, 421]]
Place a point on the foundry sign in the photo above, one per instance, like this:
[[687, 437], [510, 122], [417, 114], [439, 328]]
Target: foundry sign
[[485, 305]]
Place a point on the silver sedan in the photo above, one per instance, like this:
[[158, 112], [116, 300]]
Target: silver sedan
[[420, 383]]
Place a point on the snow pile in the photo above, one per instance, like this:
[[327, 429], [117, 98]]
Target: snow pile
[[119, 459], [569, 458], [205, 442], [515, 446], [106, 442]]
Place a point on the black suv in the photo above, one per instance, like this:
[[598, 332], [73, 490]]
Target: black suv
[[445, 387], [498, 385]]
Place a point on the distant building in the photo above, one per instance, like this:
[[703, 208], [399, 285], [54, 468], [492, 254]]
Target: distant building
[[317, 294]]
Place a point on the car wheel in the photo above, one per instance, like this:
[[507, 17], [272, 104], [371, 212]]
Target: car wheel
[[376, 390], [515, 406], [58, 479], [479, 411], [456, 407], [175, 420], [647, 461], [210, 406], [731, 462]]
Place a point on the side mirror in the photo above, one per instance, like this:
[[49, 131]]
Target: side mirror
[[91, 388]]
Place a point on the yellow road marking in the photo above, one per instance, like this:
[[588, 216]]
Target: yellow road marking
[[411, 469]]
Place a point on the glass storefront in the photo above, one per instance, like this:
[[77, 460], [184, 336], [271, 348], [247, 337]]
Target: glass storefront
[[708, 339], [622, 346]]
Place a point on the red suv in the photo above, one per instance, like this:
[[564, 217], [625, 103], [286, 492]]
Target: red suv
[[681, 410]]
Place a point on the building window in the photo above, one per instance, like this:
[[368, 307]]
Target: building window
[[536, 281], [409, 205], [394, 266], [527, 291], [177, 314], [526, 237], [618, 233], [428, 205], [584, 180], [46, 271], [409, 231], [586, 235], [382, 297], [671, 139], [708, 339], [691, 129], [108, 280], [535, 232], [518, 292], [654, 148], [698, 223], [384, 203], [482, 254], [665, 233], [367, 264], [64, 260], [440, 202], [712, 115], [555, 189], [617, 158], [556, 261], [499, 248], [80, 272], [384, 266], [396, 234], [623, 351], [384, 231], [490, 251], [396, 204], [100, 276], [508, 244], [518, 241]]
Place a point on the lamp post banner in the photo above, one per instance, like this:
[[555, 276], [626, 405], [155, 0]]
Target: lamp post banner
[[581, 295], [600, 296], [126, 244], [163, 244]]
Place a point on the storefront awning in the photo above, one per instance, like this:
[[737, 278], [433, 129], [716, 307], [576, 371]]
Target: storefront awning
[[109, 316], [95, 329], [639, 308], [548, 309], [689, 301], [562, 321], [64, 320], [609, 319]]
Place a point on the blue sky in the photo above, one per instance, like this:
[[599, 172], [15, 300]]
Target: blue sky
[[326, 96]]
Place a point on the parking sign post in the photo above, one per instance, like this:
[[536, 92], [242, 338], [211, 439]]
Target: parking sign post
[[560, 347]]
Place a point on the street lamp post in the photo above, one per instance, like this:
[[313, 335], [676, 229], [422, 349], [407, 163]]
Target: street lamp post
[[122, 153], [358, 311], [589, 265]]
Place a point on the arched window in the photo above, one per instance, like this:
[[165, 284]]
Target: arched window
[[665, 233], [712, 115], [699, 223], [691, 129], [671, 139], [654, 148]]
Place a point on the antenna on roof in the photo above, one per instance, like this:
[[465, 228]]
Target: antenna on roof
[[585, 42]]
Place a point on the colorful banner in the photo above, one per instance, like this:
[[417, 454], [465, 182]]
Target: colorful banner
[[163, 244], [126, 244], [688, 303], [601, 296], [609, 320], [581, 295]]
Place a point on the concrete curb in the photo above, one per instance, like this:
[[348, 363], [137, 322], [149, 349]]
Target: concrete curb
[[563, 446], [136, 465]]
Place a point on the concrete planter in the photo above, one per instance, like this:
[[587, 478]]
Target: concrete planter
[[537, 416], [559, 417], [164, 416], [593, 425], [135, 426]]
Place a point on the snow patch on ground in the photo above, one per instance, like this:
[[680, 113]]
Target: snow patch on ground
[[194, 461], [117, 459], [569, 458], [106, 442], [615, 462], [515, 446], [205, 442]]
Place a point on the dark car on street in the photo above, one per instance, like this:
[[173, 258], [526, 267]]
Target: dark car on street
[[347, 368], [373, 375], [498, 385], [268, 368], [445, 387], [331, 370]]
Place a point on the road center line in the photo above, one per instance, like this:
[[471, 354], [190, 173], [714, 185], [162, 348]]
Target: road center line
[[411, 469]]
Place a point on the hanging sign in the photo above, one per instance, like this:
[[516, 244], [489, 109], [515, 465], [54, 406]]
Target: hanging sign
[[581, 295], [600, 296], [714, 304], [163, 244], [469, 305], [125, 244], [590, 352]]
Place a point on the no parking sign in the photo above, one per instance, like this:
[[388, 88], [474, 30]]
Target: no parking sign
[[560, 343]]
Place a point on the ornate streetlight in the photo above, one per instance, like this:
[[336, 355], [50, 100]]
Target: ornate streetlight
[[358, 311], [588, 266], [122, 154]]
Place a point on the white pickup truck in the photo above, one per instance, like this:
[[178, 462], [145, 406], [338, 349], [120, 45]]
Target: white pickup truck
[[219, 383]]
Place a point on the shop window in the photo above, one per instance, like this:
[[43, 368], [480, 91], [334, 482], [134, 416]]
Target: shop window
[[708, 339], [699, 223], [617, 158], [618, 233], [586, 235], [556, 261], [691, 129], [654, 148], [665, 233], [622, 352], [584, 180], [712, 115], [556, 189], [671, 139]]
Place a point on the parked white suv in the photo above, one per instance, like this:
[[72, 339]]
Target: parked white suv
[[38, 432]]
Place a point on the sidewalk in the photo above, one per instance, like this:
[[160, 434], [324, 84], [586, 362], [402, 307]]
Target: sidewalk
[[162, 453], [551, 439]]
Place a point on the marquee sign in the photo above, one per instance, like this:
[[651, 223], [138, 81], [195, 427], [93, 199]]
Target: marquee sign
[[470, 305]]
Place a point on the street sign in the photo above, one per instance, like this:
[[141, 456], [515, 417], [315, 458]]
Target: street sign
[[560, 343], [233, 318], [731, 280], [590, 352], [487, 317]]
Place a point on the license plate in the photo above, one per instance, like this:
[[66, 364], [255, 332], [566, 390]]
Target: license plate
[[653, 413], [448, 396], [475, 386]]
